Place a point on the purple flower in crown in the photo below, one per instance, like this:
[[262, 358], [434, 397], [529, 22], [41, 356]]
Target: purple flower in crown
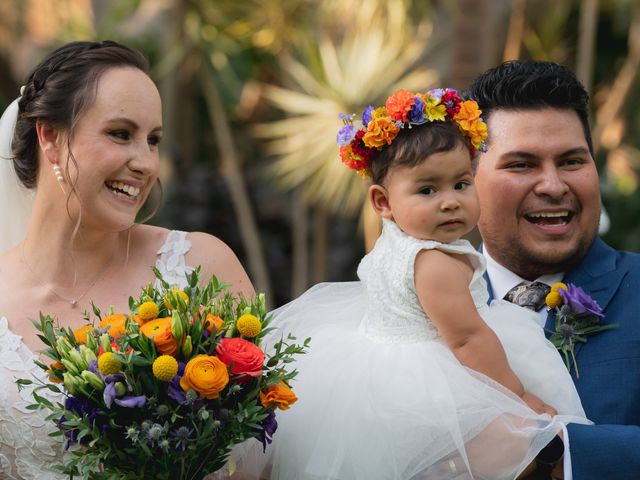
[[436, 93], [346, 135], [366, 116], [416, 114], [580, 302]]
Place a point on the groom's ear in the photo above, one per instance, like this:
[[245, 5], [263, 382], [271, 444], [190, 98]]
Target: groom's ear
[[379, 198], [49, 140]]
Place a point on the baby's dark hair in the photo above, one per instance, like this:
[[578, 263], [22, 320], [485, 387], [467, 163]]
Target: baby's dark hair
[[60, 88], [413, 145], [530, 85]]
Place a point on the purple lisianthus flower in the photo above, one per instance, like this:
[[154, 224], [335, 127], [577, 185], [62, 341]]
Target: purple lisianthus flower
[[366, 116], [93, 367], [579, 302], [345, 135], [110, 392], [269, 427], [174, 390], [131, 401], [81, 407], [416, 114]]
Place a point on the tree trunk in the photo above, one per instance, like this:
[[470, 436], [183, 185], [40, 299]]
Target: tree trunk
[[230, 169], [624, 80], [516, 30], [586, 42]]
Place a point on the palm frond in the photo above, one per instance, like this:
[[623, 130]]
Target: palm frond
[[377, 52]]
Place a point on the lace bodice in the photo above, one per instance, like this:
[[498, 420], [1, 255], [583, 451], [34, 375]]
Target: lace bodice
[[394, 314], [26, 450], [171, 259]]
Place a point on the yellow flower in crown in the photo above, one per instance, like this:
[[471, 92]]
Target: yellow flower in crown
[[380, 131], [434, 109]]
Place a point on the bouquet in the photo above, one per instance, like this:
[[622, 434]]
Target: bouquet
[[167, 390]]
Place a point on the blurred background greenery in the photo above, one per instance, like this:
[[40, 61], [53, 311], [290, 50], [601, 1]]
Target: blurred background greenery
[[252, 89]]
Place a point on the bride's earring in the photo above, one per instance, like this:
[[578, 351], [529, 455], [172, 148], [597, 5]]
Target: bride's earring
[[57, 171]]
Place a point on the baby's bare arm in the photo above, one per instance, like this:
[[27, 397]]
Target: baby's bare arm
[[442, 285]]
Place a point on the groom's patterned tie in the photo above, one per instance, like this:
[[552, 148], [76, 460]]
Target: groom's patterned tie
[[528, 295]]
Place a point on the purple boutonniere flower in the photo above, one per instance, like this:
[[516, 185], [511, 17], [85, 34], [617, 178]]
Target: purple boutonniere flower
[[577, 316], [579, 302]]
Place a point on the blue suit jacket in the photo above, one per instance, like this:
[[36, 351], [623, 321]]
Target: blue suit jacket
[[609, 365]]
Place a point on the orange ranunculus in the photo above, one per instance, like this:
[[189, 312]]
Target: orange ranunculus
[[211, 321], [399, 105], [380, 131], [205, 374], [160, 331], [80, 334], [247, 358], [279, 396], [115, 322]]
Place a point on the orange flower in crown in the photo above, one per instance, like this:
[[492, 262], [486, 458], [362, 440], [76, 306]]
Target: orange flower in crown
[[380, 126], [400, 104]]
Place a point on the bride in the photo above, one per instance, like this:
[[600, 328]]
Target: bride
[[87, 127]]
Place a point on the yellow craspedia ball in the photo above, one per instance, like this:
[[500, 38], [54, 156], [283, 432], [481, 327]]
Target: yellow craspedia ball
[[248, 325], [559, 285], [165, 367], [107, 364], [175, 292], [553, 299], [148, 311]]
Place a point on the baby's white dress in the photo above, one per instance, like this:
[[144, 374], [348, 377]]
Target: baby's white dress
[[382, 397]]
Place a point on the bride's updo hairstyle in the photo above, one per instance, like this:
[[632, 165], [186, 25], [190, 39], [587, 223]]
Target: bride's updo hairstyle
[[413, 145], [59, 90]]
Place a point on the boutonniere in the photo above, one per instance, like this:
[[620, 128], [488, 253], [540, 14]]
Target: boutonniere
[[577, 316]]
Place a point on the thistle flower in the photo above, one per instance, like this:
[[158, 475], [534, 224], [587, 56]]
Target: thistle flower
[[182, 437]]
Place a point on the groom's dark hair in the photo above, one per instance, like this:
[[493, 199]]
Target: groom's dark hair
[[529, 85]]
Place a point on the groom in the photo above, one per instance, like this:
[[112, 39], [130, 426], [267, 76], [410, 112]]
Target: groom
[[540, 207]]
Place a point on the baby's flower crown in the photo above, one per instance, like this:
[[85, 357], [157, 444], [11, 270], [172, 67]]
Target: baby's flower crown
[[381, 125]]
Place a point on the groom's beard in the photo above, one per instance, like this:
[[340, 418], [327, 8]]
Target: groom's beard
[[529, 263]]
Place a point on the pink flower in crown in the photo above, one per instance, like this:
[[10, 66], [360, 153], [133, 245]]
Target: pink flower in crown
[[451, 101], [399, 105], [356, 155]]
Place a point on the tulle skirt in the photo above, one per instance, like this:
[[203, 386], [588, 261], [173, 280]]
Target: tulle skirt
[[368, 410]]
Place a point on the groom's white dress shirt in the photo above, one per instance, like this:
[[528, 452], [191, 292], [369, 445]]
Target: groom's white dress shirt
[[502, 280]]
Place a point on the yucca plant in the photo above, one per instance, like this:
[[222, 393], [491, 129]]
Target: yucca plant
[[377, 49]]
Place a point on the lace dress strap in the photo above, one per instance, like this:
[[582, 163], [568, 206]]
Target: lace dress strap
[[171, 259]]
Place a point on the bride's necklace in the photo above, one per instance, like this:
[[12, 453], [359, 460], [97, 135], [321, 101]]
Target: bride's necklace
[[72, 301]]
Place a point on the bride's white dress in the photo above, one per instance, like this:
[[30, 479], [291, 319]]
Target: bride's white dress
[[26, 450], [382, 397]]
